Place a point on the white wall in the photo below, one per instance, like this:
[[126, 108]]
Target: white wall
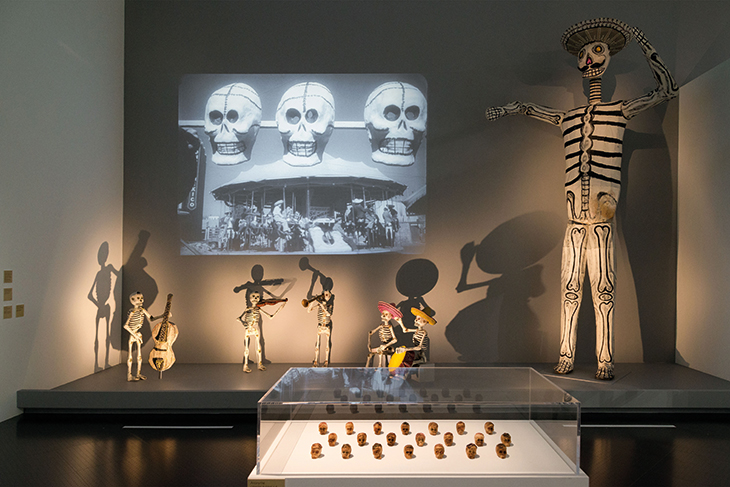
[[61, 166], [703, 267]]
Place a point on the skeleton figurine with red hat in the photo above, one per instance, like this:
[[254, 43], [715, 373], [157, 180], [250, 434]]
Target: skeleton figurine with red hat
[[388, 312], [593, 139]]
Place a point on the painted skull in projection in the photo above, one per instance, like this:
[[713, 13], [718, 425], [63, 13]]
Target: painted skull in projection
[[395, 116], [593, 59], [232, 121], [305, 118]]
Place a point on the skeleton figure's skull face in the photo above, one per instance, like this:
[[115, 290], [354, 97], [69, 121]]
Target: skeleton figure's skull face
[[460, 427], [433, 429], [506, 439], [378, 451], [362, 438], [136, 299], [489, 427], [385, 316], [439, 450], [323, 428], [332, 439], [420, 322], [390, 438], [420, 439], [471, 451], [349, 428], [232, 121], [449, 439], [254, 298], [316, 450], [405, 428], [378, 428], [408, 451], [593, 59], [395, 115], [306, 119], [346, 451], [501, 450], [479, 439]]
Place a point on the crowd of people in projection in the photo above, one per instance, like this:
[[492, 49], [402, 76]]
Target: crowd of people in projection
[[283, 229]]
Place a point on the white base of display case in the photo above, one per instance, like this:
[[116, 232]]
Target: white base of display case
[[533, 459]]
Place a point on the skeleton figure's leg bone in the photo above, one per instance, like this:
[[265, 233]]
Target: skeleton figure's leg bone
[[130, 360], [258, 351], [328, 345], [572, 276], [603, 279], [139, 375], [316, 348], [246, 341]]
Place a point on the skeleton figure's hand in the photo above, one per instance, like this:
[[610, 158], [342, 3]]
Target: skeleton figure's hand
[[637, 34], [400, 349], [493, 113], [137, 337]]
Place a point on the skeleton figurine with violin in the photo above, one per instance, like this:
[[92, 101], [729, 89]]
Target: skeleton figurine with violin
[[251, 320]]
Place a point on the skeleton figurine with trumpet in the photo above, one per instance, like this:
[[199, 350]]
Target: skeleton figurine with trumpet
[[325, 304]]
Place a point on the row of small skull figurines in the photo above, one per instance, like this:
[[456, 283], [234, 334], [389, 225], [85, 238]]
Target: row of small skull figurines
[[395, 116], [433, 429]]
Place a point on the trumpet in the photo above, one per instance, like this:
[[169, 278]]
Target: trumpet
[[307, 302]]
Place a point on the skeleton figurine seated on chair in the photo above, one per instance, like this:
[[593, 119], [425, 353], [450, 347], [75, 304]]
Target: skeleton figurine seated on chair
[[134, 323], [420, 335], [385, 332], [251, 319]]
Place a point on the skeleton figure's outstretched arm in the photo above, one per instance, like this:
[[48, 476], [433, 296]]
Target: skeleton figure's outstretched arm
[[275, 312], [545, 114], [666, 87]]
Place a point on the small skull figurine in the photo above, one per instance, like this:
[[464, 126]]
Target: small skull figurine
[[408, 451], [405, 428], [350, 428], [316, 450], [420, 439], [506, 439], [378, 427], [479, 439], [390, 438], [438, 450], [433, 429], [322, 428], [501, 450], [332, 439], [489, 427], [471, 451], [449, 439], [346, 450], [362, 438], [378, 451], [460, 427]]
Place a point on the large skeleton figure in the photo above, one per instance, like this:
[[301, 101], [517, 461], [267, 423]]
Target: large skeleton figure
[[325, 304], [420, 335], [251, 320], [385, 333], [134, 323], [593, 140]]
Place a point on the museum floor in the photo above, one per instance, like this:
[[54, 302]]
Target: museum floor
[[218, 450]]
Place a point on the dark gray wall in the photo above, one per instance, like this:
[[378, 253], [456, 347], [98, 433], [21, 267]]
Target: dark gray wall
[[499, 184]]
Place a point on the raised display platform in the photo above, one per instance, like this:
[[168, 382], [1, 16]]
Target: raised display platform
[[224, 388]]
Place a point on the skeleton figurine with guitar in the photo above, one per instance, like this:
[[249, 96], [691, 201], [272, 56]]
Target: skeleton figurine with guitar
[[164, 334]]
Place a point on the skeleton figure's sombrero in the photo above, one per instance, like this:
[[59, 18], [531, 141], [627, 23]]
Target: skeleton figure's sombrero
[[613, 32]]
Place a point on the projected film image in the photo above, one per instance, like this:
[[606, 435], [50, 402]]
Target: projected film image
[[302, 164]]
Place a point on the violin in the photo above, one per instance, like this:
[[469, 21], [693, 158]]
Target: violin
[[268, 302]]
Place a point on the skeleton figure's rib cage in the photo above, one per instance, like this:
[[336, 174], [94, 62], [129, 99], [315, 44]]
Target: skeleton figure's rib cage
[[593, 141]]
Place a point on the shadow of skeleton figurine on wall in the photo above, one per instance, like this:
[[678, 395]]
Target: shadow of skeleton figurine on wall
[[593, 137]]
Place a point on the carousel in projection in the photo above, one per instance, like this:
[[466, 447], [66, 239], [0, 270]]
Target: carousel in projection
[[593, 136], [305, 164]]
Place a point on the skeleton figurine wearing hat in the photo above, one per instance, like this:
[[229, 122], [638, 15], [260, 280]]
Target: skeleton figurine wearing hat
[[593, 136], [420, 335], [385, 332]]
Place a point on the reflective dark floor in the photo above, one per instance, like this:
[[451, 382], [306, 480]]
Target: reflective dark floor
[[220, 450]]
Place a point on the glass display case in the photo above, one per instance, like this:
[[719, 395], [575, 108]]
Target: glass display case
[[307, 405]]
